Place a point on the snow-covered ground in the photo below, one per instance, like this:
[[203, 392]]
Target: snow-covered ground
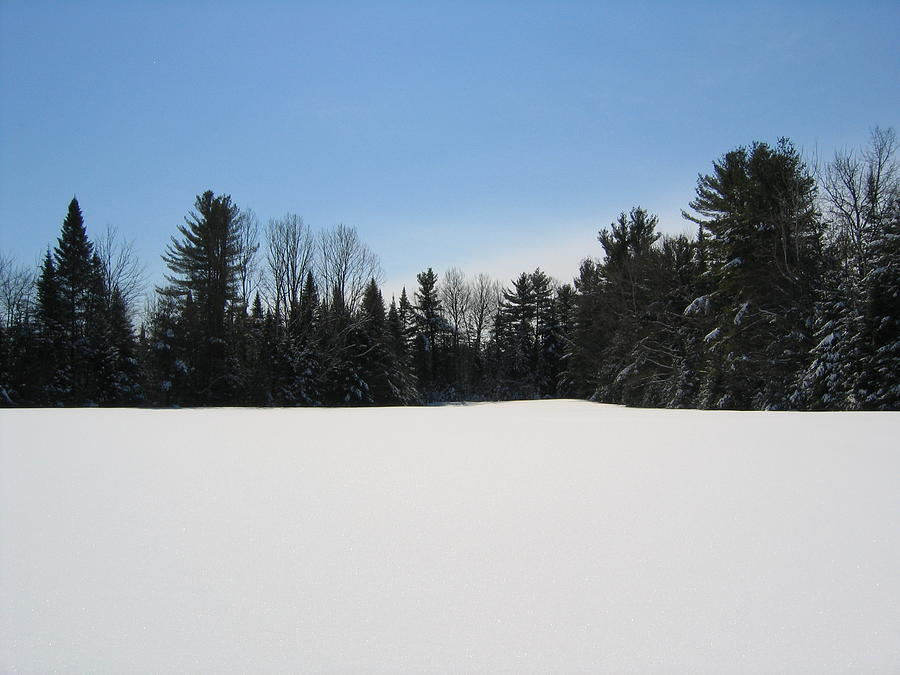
[[552, 536]]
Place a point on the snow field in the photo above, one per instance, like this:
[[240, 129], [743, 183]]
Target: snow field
[[527, 537]]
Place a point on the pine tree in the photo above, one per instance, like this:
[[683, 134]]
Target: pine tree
[[431, 329], [551, 342], [204, 264], [518, 306], [764, 249], [608, 357], [590, 333], [628, 271]]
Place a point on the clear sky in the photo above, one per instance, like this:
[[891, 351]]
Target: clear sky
[[494, 136]]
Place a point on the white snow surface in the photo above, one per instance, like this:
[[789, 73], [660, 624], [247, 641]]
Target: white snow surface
[[527, 537]]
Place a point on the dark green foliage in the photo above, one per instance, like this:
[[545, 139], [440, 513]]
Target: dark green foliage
[[829, 382], [879, 382], [429, 338], [84, 345], [343, 352], [769, 306], [165, 350], [610, 342], [204, 264], [377, 366], [589, 335], [50, 375], [403, 380], [854, 363], [763, 252], [518, 310]]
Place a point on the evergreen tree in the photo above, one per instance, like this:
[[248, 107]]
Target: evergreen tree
[[590, 333], [552, 344], [764, 249], [82, 350], [406, 314], [608, 356], [257, 360], [518, 306], [51, 376], [204, 264], [342, 351], [75, 359], [307, 364], [399, 353], [376, 366], [829, 382], [431, 330], [165, 348], [628, 271], [75, 274], [879, 384], [124, 387], [860, 189]]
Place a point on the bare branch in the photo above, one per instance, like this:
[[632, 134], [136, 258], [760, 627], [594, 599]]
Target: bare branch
[[289, 256], [247, 226], [122, 269], [16, 291], [347, 264]]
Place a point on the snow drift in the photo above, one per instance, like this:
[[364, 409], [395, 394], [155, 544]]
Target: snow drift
[[553, 536]]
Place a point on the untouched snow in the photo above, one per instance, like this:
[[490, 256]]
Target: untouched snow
[[533, 537]]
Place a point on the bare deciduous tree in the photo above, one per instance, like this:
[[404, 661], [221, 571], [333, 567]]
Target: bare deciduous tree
[[346, 265], [484, 294], [454, 292], [16, 289], [860, 188], [289, 256], [248, 245], [122, 269]]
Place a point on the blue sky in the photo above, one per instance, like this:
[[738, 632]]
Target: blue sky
[[492, 136]]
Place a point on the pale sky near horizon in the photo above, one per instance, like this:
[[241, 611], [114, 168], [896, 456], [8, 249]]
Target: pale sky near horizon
[[492, 136]]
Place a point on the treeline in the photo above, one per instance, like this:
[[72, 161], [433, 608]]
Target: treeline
[[787, 297]]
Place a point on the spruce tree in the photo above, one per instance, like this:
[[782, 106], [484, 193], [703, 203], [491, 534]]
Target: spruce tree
[[258, 357], [51, 377], [166, 373], [852, 328], [343, 380], [307, 363], [75, 273], [879, 384], [83, 302], [399, 353], [375, 357], [125, 384]]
